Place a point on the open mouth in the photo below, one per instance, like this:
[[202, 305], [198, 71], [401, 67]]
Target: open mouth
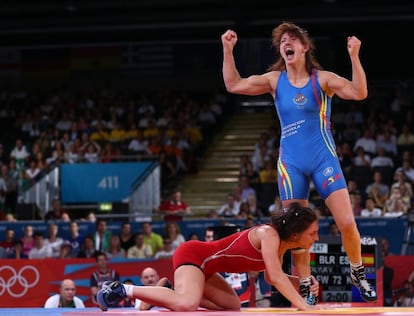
[[289, 52]]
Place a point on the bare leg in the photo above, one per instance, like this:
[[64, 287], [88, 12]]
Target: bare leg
[[191, 290], [188, 290], [144, 306], [219, 295], [340, 206]]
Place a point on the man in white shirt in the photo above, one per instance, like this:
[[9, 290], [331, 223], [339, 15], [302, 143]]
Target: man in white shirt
[[367, 142], [370, 210], [231, 208], [40, 250], [66, 296]]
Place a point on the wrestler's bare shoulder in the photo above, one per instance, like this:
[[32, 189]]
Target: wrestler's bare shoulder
[[264, 231]]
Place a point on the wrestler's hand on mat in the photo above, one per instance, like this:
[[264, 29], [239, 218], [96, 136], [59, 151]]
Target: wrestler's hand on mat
[[314, 288]]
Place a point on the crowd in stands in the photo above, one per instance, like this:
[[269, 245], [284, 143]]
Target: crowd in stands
[[53, 127], [374, 141]]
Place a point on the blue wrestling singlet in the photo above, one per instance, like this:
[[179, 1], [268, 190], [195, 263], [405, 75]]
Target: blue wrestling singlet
[[307, 148]]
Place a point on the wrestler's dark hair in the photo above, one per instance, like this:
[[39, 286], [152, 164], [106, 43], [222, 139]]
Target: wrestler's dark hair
[[288, 27], [293, 220]]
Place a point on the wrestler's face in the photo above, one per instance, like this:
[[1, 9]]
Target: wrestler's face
[[291, 48], [309, 236]]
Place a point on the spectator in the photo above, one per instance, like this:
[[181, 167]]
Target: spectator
[[406, 137], [172, 231], [252, 174], [244, 211], [139, 145], [378, 190], [167, 250], [407, 169], [91, 152], [126, 236], [88, 248], [151, 238], [245, 188], [231, 208], [65, 251], [40, 250], [8, 243], [53, 240], [20, 154], [388, 141], [66, 297], [175, 208], [56, 213], [395, 205], [254, 208], [405, 186], [75, 239], [333, 230], [114, 249], [367, 143], [27, 239], [102, 274], [406, 297], [140, 250], [268, 174], [168, 170], [33, 170], [276, 206], [18, 252], [361, 158], [101, 236], [381, 159], [193, 236], [370, 210], [91, 217]]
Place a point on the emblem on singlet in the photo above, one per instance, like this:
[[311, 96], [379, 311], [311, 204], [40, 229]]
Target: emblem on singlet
[[328, 171], [300, 101]]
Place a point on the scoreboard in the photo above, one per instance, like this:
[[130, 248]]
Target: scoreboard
[[330, 266]]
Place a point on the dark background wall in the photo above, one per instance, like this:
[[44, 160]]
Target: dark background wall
[[193, 28]]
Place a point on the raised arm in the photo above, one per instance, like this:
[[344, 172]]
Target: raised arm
[[355, 89], [253, 85]]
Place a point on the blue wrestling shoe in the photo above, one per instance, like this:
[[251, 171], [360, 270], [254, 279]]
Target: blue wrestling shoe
[[110, 294], [368, 294]]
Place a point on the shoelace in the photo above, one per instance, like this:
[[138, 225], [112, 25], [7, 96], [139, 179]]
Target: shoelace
[[364, 284], [358, 275], [106, 289]]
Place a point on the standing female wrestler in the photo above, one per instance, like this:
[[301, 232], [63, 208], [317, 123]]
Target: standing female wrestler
[[302, 94], [197, 263]]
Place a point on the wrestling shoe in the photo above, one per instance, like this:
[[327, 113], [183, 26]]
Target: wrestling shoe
[[367, 292], [110, 294], [305, 292]]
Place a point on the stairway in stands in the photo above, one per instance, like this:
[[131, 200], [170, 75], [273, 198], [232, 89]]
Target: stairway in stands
[[219, 169]]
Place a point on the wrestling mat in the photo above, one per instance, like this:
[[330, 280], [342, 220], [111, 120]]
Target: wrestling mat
[[328, 310]]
